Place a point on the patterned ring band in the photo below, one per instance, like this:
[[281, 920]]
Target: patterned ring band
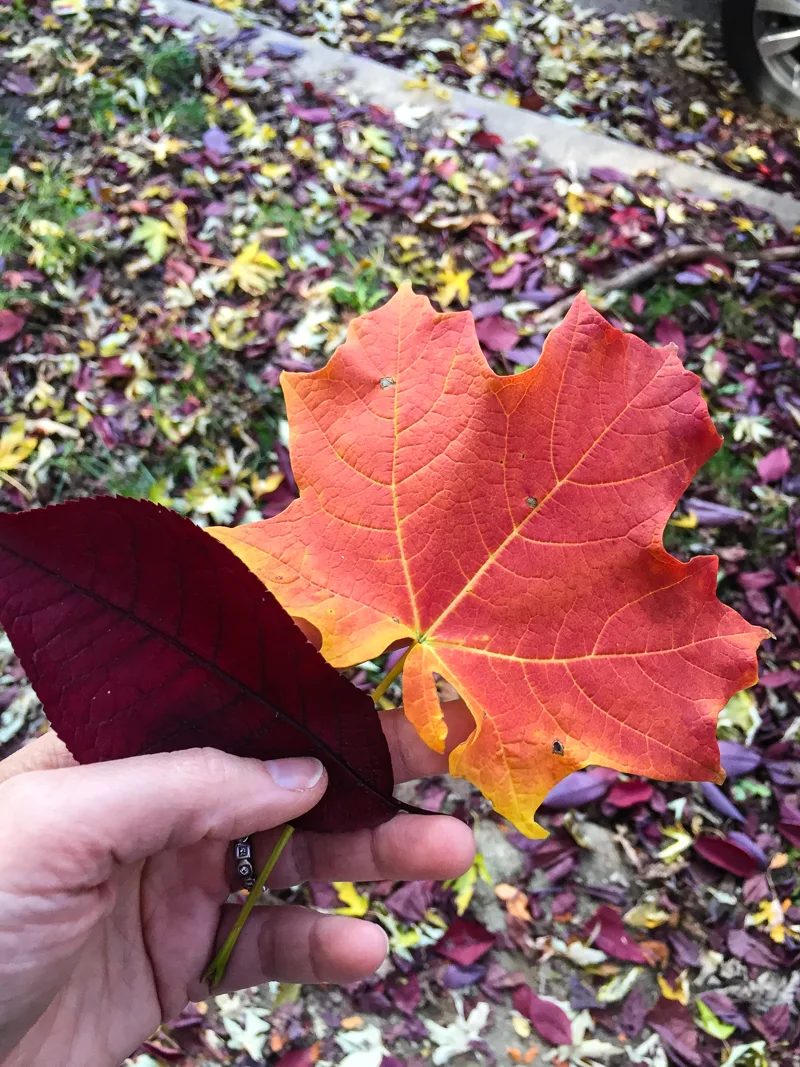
[[244, 862]]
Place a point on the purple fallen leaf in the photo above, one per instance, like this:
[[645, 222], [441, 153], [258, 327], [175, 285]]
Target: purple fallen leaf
[[774, 1024], [751, 950], [686, 951], [465, 942], [10, 324], [577, 789], [675, 1026], [668, 332], [791, 598], [737, 760], [787, 346], [314, 115], [717, 799], [634, 1013], [497, 333], [638, 303], [410, 901], [216, 140], [455, 977], [773, 466], [775, 679], [728, 855], [508, 280], [725, 1010], [548, 1020], [710, 514], [20, 84], [607, 932]]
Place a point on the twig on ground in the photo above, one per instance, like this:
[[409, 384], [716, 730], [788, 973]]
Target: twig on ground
[[670, 257]]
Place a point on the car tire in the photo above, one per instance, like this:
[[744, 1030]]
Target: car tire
[[742, 23]]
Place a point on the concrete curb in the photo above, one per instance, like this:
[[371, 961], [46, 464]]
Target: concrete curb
[[561, 144]]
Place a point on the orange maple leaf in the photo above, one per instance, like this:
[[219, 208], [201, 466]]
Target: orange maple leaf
[[512, 528]]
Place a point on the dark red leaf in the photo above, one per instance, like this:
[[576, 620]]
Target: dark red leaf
[[729, 855], [296, 1057], [791, 597], [627, 794], [465, 942], [141, 633], [608, 933], [10, 324], [548, 1020]]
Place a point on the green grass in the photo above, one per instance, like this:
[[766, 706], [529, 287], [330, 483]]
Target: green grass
[[174, 64]]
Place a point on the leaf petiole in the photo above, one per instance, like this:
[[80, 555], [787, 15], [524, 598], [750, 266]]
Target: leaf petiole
[[216, 969], [390, 676]]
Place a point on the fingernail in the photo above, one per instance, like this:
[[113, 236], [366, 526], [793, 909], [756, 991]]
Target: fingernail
[[295, 773]]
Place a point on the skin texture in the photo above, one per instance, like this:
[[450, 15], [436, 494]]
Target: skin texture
[[114, 879]]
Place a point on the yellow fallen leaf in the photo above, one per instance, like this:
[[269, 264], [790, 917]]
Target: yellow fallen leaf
[[355, 904], [453, 285], [15, 447], [254, 271], [680, 991]]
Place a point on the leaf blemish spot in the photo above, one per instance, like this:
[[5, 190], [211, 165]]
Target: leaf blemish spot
[[531, 501], [558, 748], [384, 383]]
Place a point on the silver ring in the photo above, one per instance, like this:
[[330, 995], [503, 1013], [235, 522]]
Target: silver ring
[[243, 855]]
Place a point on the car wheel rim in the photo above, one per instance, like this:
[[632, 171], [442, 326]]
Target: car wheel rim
[[777, 33]]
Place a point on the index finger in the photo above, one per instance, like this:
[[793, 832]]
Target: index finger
[[411, 757]]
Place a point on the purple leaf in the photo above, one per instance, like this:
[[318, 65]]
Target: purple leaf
[[710, 514], [717, 799], [668, 332], [465, 942], [752, 951], [577, 789], [216, 140], [508, 280], [497, 333], [773, 466], [738, 760], [314, 115], [548, 1020], [410, 902], [724, 1009], [634, 1012], [774, 1024], [608, 933]]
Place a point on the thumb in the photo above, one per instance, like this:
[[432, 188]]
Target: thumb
[[85, 820]]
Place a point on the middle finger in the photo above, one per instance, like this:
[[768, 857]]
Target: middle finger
[[407, 848]]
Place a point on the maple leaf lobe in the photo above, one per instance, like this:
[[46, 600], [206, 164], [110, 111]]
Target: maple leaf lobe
[[566, 619]]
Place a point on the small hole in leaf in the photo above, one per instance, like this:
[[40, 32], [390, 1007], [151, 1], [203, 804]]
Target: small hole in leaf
[[386, 382], [522, 455], [531, 501], [558, 748]]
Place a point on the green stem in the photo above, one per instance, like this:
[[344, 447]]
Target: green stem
[[216, 969], [390, 676]]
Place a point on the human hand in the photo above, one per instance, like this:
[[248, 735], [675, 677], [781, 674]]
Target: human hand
[[114, 876]]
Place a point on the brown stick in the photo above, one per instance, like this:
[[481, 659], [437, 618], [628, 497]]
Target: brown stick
[[670, 257]]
